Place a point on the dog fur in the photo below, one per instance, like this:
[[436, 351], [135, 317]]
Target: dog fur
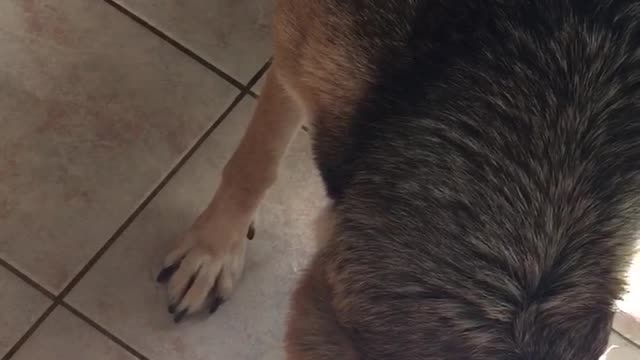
[[483, 159]]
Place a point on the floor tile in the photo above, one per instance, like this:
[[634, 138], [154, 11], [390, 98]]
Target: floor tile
[[21, 306], [622, 349], [120, 293], [64, 336], [234, 35], [94, 110], [628, 325]]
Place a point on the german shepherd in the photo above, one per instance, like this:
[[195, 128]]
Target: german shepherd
[[483, 162]]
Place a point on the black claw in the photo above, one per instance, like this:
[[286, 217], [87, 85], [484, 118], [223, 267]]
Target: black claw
[[179, 316], [252, 231], [172, 308], [166, 273], [215, 304]]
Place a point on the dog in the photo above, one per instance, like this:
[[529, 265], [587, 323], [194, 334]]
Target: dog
[[483, 164]]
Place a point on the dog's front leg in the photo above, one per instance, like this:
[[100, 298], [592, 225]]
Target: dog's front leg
[[208, 262]]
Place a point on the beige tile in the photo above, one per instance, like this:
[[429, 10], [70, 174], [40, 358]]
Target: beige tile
[[21, 305], [628, 325], [64, 336], [234, 35], [622, 349], [120, 292], [94, 110]]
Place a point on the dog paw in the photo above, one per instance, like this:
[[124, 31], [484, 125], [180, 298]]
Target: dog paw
[[203, 270]]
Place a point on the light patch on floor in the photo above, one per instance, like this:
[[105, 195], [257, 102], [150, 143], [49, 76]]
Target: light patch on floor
[[630, 304]]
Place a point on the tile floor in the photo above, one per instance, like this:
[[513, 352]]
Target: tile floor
[[116, 117]]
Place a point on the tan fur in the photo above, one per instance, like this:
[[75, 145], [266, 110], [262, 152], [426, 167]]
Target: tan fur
[[256, 159], [214, 247], [316, 55]]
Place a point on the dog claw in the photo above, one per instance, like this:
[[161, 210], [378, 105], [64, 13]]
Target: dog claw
[[215, 304], [179, 316], [252, 231], [166, 273]]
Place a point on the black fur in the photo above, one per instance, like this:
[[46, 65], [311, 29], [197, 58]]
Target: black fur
[[488, 190]]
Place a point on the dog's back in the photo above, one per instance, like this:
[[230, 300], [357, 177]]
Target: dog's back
[[487, 186]]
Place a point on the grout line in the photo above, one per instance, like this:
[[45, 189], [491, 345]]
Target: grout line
[[24, 277], [192, 54], [58, 300], [633, 343], [254, 80], [104, 331], [14, 349], [131, 218]]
